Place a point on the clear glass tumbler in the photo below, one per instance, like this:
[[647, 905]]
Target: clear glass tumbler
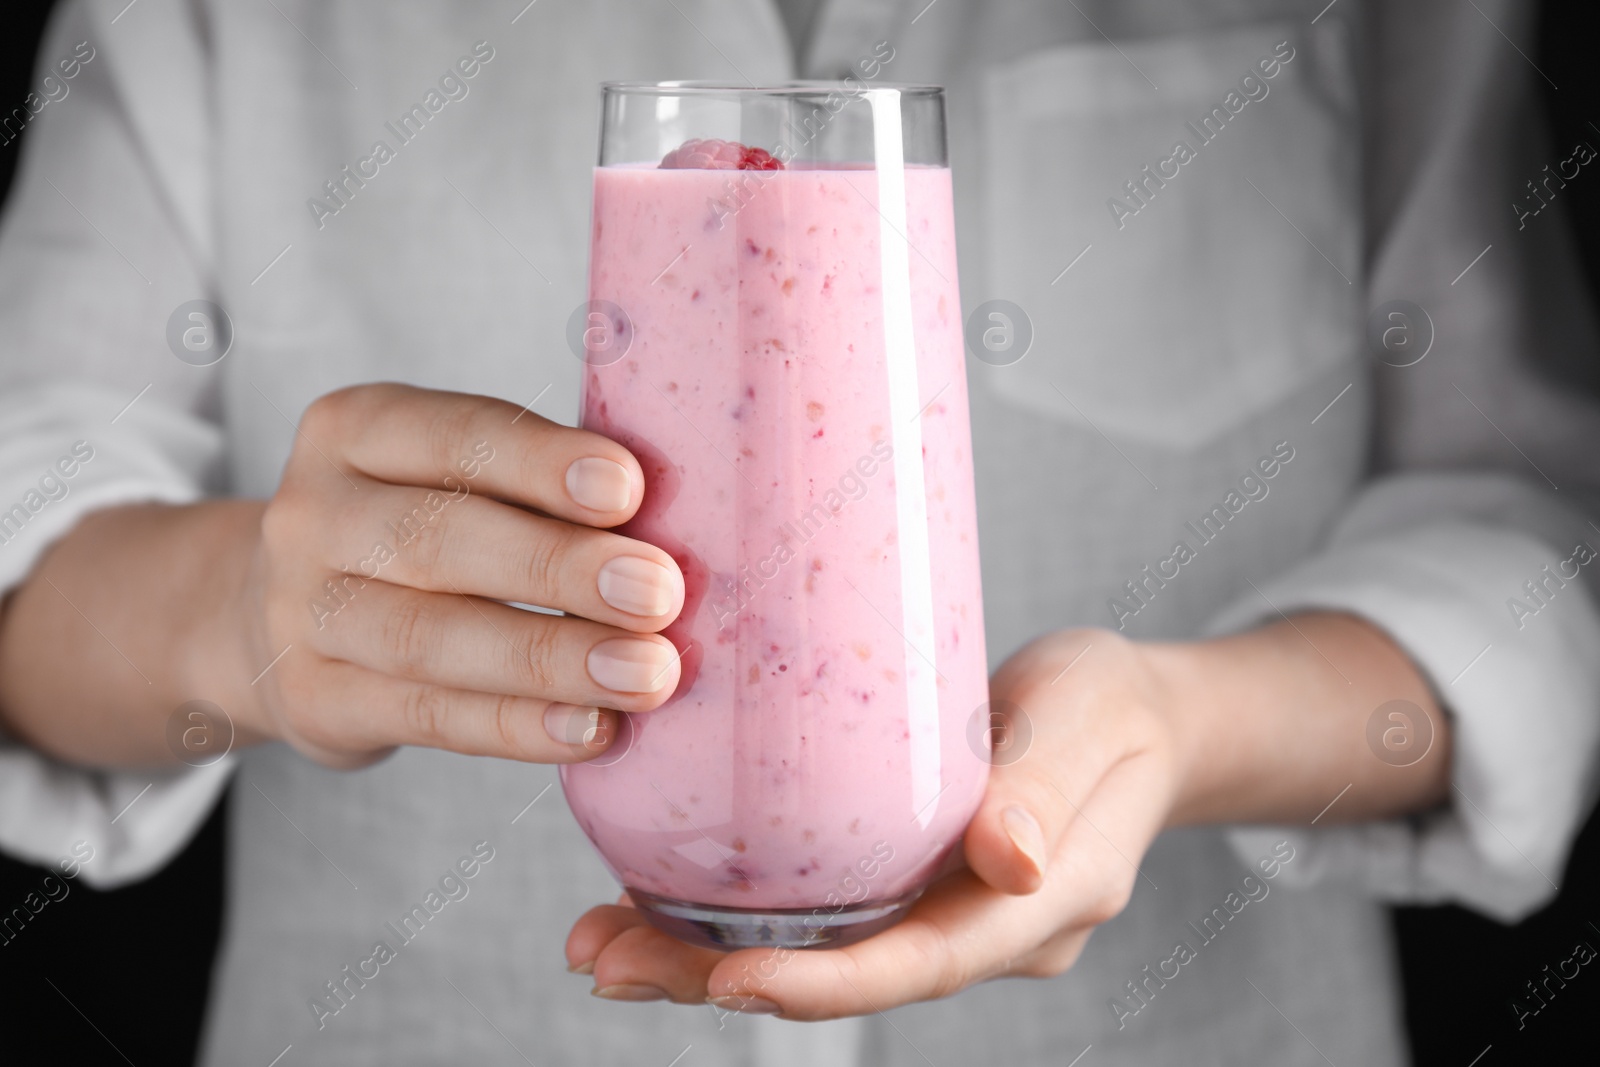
[[774, 329]]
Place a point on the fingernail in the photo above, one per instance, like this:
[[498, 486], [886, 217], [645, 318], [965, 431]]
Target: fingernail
[[747, 1005], [574, 725], [630, 991], [627, 665], [599, 484], [581, 968], [635, 585], [1025, 834]]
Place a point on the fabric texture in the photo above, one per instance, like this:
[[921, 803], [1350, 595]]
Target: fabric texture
[[182, 166]]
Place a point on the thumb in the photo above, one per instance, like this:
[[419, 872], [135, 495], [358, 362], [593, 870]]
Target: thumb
[[1042, 770], [1010, 840], [1055, 747]]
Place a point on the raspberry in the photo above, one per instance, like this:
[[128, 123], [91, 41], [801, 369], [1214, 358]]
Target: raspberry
[[759, 159], [703, 155], [719, 155]]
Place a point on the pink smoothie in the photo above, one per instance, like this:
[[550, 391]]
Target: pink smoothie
[[795, 389]]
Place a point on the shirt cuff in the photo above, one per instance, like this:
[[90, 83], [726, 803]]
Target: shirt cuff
[[1522, 692], [121, 826], [66, 451]]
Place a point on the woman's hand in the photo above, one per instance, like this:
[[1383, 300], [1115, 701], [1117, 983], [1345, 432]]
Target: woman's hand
[[1126, 739], [403, 518], [360, 608], [1051, 854]]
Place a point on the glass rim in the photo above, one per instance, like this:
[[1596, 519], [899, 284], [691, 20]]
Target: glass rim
[[792, 87]]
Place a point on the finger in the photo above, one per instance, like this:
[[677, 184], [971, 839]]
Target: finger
[[680, 969], [1055, 957], [409, 436], [596, 929], [1077, 735], [962, 931], [465, 543], [463, 642], [959, 932], [355, 710]]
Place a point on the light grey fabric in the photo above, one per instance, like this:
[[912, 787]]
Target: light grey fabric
[[799, 20], [193, 142]]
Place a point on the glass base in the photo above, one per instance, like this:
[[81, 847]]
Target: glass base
[[727, 929]]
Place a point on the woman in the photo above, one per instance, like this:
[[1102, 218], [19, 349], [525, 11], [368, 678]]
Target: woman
[[1200, 318]]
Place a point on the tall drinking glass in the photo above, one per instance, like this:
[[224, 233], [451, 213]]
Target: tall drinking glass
[[774, 329]]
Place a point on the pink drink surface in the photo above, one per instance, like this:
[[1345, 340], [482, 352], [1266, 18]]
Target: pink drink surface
[[821, 744]]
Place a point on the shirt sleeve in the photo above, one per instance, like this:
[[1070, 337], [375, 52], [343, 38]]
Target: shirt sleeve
[[105, 237], [1475, 548]]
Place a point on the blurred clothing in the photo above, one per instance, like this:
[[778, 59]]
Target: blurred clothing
[[1192, 312]]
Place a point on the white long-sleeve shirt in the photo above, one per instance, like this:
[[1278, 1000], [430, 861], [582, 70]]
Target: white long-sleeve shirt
[[1193, 314]]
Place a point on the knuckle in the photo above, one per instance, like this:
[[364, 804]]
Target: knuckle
[[330, 411], [536, 657], [1109, 903], [284, 520], [316, 730], [408, 634], [423, 711], [546, 556], [301, 713], [449, 433], [936, 956], [311, 724], [533, 451], [507, 712], [1047, 963], [426, 550]]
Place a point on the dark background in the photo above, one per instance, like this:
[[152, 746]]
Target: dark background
[[137, 961]]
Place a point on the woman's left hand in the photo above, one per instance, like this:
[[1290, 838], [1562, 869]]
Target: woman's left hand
[[1269, 725], [1051, 854]]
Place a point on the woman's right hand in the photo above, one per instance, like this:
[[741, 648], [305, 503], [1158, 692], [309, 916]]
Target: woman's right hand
[[404, 517]]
